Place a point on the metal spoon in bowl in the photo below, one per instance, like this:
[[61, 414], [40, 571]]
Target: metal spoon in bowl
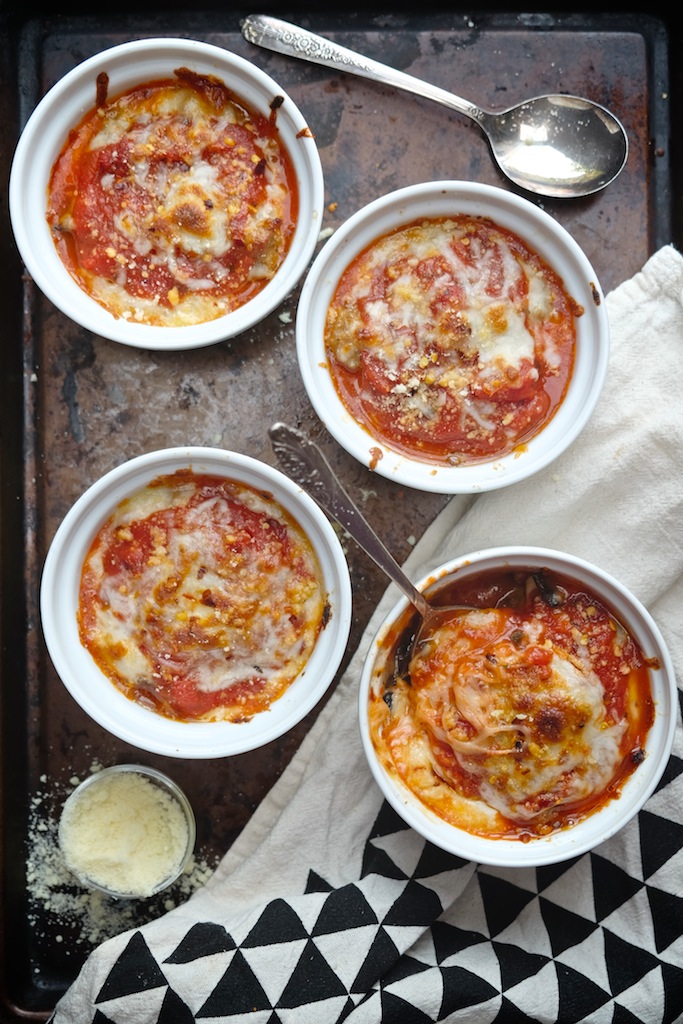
[[305, 464], [558, 145]]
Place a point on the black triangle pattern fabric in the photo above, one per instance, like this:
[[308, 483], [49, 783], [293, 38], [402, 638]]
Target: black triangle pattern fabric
[[594, 939]]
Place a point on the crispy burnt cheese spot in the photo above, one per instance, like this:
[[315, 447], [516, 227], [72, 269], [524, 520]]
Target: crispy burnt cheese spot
[[202, 598], [502, 729]]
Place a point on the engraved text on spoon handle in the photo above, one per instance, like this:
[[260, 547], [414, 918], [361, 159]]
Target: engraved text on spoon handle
[[283, 37]]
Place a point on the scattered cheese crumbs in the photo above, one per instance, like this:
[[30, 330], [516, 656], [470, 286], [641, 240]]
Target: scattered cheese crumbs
[[325, 233], [88, 916], [285, 317]]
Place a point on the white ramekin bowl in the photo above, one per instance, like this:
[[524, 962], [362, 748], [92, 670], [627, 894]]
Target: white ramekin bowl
[[543, 234], [99, 697], [610, 817], [63, 106]]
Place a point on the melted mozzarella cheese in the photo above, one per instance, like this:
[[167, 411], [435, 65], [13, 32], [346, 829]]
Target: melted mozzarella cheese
[[212, 605], [183, 200], [450, 339], [528, 742], [486, 727], [495, 327], [191, 205]]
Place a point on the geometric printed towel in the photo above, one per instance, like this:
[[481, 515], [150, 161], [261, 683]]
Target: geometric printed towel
[[328, 908], [391, 947]]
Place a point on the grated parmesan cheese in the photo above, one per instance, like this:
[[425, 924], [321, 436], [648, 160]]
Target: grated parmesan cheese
[[59, 905], [124, 833]]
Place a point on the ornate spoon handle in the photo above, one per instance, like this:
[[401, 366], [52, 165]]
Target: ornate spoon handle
[[304, 463], [283, 37]]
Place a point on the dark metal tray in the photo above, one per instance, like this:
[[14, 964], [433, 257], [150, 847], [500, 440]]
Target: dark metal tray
[[73, 405]]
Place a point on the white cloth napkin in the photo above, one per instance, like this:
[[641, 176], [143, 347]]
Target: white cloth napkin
[[327, 908]]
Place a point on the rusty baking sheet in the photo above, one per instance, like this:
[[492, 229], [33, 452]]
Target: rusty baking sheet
[[74, 405]]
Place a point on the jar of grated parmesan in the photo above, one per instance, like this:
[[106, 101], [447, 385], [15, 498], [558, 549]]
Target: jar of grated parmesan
[[127, 830]]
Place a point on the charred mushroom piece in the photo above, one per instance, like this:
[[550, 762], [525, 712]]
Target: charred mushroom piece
[[403, 651], [550, 594]]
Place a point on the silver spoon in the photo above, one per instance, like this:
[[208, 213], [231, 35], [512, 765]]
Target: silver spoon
[[305, 464], [559, 145]]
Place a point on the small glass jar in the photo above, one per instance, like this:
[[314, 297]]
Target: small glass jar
[[128, 831]]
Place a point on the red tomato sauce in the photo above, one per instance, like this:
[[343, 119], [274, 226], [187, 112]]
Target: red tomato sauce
[[451, 341], [173, 203], [575, 622], [201, 598]]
